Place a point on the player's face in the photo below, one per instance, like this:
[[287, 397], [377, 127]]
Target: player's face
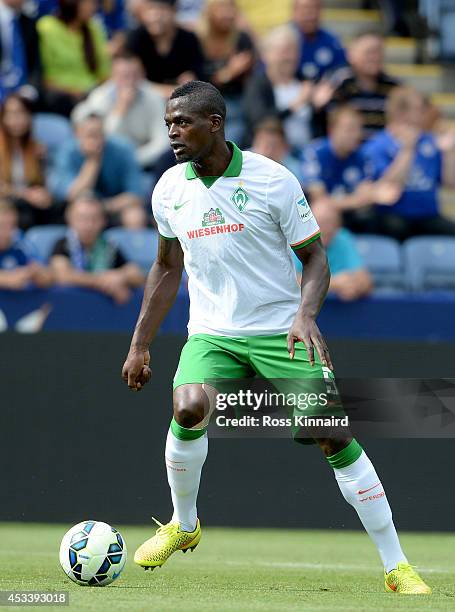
[[190, 133]]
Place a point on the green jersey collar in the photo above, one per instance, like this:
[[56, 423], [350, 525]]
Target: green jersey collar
[[234, 168]]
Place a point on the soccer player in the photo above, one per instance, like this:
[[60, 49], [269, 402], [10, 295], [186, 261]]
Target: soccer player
[[229, 217]]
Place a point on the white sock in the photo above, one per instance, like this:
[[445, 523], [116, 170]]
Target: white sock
[[184, 461], [362, 488]]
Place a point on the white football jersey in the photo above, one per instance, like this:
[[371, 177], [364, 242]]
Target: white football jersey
[[235, 237]]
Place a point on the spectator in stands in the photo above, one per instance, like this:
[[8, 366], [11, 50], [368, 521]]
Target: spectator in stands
[[130, 107], [134, 218], [22, 163], [19, 56], [17, 268], [270, 140], [417, 162], [336, 170], [73, 53], [276, 92], [229, 57], [171, 55], [111, 12], [84, 258], [105, 166], [321, 52], [350, 280], [364, 84]]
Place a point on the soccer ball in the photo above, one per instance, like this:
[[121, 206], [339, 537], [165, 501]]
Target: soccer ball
[[92, 553]]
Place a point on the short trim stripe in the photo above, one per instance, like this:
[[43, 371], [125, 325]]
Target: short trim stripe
[[302, 243]]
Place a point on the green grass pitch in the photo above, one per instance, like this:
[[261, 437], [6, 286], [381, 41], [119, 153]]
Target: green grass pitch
[[237, 570]]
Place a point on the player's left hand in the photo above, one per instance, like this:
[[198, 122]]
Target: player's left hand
[[304, 329]]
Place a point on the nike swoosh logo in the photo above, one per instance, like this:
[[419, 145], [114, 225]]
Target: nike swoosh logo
[[179, 206], [366, 490]]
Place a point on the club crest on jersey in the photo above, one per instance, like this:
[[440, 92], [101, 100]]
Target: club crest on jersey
[[303, 209], [240, 198], [213, 217]]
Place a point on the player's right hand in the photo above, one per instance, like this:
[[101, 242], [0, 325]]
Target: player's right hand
[[136, 369]]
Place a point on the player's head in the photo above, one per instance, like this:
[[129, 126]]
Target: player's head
[[8, 223], [345, 128], [329, 220], [85, 216], [366, 53], [405, 105], [195, 116]]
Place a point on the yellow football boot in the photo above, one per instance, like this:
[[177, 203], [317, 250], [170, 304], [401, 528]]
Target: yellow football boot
[[167, 539], [406, 581]]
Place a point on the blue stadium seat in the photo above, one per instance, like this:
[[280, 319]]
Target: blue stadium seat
[[430, 262], [382, 257], [140, 246], [51, 130], [43, 238]]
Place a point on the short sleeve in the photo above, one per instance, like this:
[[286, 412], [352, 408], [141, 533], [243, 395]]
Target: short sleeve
[[290, 210], [159, 215]]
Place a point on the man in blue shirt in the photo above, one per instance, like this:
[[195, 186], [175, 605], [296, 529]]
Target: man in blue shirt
[[321, 51], [350, 280], [417, 163], [336, 170], [105, 167]]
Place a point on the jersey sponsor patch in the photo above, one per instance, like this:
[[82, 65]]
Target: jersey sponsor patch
[[304, 209]]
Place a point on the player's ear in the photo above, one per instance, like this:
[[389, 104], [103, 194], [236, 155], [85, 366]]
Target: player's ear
[[216, 122]]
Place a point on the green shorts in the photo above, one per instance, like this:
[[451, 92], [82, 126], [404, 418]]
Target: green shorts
[[206, 359]]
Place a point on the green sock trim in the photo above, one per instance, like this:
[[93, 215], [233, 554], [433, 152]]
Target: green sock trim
[[182, 433], [346, 456]]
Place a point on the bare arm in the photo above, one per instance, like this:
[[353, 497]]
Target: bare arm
[[160, 291], [314, 287]]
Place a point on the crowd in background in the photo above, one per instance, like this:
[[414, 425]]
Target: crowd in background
[[83, 85]]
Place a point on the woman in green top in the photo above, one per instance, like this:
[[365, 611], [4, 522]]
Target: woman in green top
[[74, 54]]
